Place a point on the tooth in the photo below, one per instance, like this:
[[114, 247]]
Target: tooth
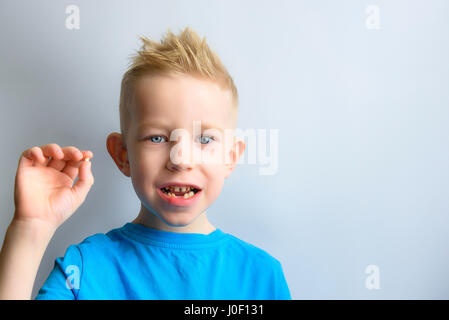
[[183, 189], [177, 189], [189, 194]]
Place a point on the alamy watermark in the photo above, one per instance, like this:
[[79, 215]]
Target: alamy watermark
[[372, 21], [72, 20], [73, 279], [373, 280], [224, 146]]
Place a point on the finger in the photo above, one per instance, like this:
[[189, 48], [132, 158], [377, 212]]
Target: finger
[[46, 153], [28, 157], [57, 156], [71, 171], [61, 165], [51, 150], [56, 164], [72, 154], [87, 154], [85, 181], [71, 167], [36, 155]]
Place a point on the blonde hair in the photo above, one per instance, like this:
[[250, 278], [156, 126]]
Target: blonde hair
[[187, 54]]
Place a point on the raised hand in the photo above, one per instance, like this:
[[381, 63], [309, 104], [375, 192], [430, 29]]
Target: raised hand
[[44, 190]]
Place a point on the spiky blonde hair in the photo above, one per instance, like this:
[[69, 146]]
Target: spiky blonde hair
[[187, 54]]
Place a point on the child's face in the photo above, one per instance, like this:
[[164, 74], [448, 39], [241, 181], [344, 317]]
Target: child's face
[[166, 103]]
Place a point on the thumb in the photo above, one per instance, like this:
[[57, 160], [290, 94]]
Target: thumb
[[85, 181]]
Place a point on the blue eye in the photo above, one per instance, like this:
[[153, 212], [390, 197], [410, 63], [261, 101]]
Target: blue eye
[[158, 140], [209, 139]]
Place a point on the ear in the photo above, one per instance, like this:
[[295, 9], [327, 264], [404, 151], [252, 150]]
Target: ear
[[118, 152], [235, 153]]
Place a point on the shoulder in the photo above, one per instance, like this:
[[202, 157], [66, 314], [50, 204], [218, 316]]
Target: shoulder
[[250, 251], [100, 242]]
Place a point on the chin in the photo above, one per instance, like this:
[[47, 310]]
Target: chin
[[177, 219]]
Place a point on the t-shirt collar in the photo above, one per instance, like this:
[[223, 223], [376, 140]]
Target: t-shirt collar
[[148, 234]]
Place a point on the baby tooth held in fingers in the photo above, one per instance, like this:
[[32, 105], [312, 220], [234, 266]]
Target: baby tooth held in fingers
[[87, 159]]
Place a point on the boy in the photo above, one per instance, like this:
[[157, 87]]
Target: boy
[[171, 250]]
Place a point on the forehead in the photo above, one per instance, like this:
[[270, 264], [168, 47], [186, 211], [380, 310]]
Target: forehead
[[178, 100]]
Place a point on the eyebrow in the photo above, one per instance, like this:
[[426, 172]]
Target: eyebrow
[[154, 124], [162, 125]]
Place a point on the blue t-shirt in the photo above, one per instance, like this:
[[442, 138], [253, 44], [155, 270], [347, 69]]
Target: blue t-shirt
[[136, 262]]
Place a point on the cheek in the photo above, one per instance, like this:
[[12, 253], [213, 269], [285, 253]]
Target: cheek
[[213, 154], [149, 159], [141, 168], [143, 180], [213, 191], [215, 179], [144, 169]]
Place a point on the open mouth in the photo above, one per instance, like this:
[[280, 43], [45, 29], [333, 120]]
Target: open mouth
[[180, 192]]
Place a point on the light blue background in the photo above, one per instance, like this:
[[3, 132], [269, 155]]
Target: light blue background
[[363, 119]]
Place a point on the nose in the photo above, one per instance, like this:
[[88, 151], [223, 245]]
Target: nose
[[180, 156]]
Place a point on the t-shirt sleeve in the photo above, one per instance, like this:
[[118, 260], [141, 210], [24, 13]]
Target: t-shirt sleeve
[[64, 280], [282, 291]]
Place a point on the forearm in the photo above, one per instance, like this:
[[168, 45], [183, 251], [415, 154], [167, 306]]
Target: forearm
[[23, 248]]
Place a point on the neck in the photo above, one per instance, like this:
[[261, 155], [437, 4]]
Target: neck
[[200, 224]]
